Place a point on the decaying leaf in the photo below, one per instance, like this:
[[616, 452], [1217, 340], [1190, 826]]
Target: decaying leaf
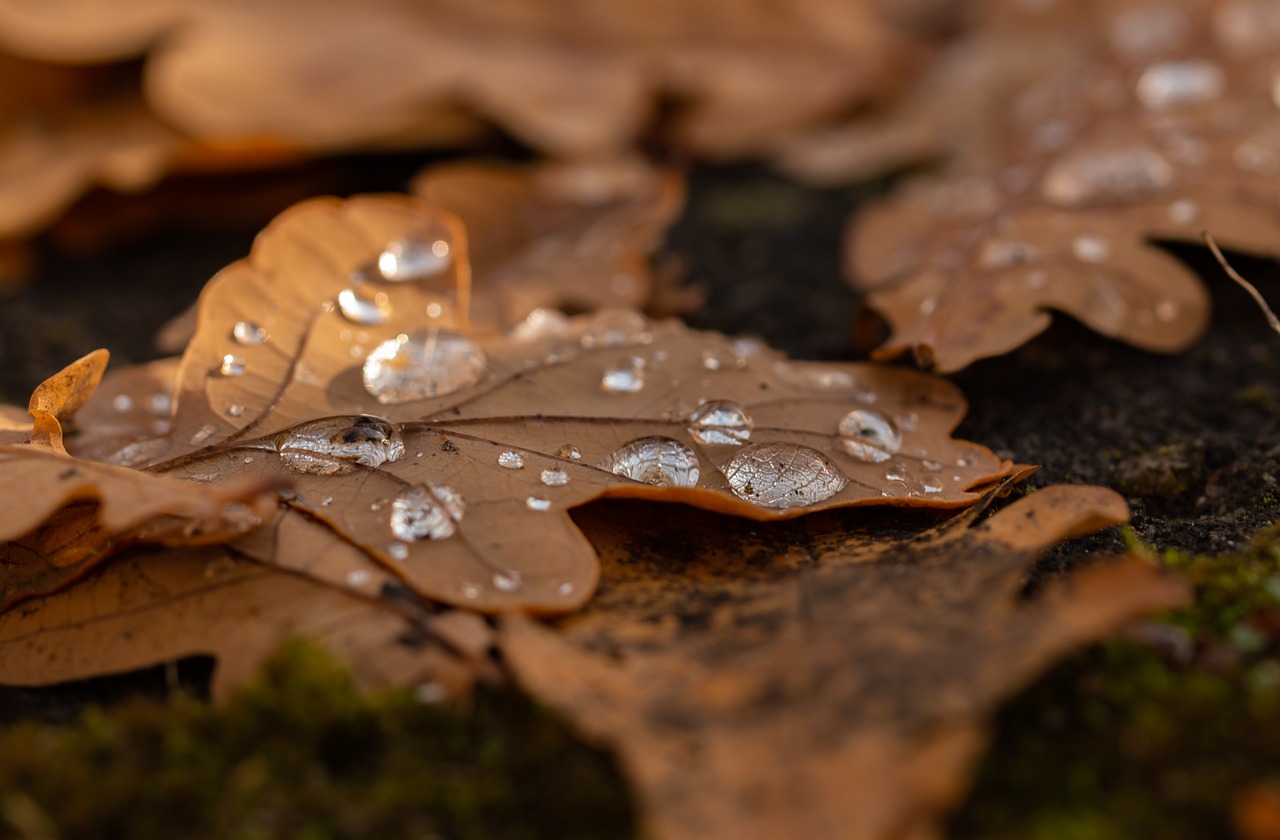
[[830, 678], [1159, 121], [570, 79]]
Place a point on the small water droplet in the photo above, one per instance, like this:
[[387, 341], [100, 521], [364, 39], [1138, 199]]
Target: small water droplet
[[895, 489], [231, 365], [1003, 253], [416, 257], [720, 422], [541, 324], [426, 512], [159, 404], [966, 459], [623, 380], [332, 444], [507, 581], [359, 577], [427, 363], [710, 361], [1166, 310], [615, 328], [248, 333], [326, 501], [554, 478], [202, 434], [511, 460], [1184, 211], [565, 588], [783, 475], [470, 591], [660, 461], [569, 451], [1090, 248], [537, 503], [363, 306], [122, 402], [930, 483], [869, 436], [1172, 84], [248, 459], [897, 471], [235, 410], [1084, 175]]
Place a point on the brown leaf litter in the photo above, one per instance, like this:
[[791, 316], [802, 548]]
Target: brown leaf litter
[[1143, 121]]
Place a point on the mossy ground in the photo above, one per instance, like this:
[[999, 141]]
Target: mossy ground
[[1137, 737]]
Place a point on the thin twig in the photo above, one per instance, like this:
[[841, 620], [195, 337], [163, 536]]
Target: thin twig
[[1243, 283]]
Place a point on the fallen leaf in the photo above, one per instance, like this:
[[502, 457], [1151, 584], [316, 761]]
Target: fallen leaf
[[1143, 130], [59, 397], [830, 678], [569, 80]]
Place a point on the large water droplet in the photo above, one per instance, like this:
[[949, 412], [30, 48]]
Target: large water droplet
[[783, 475], [416, 257], [426, 363], [659, 461], [1170, 84], [623, 380], [248, 333], [869, 436], [1086, 175], [511, 460], [721, 422], [424, 512], [362, 305], [332, 445], [540, 324], [554, 478], [231, 365], [615, 328]]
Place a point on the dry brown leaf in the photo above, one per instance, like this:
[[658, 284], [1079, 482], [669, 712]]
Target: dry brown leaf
[[1160, 121], [830, 678], [572, 78], [59, 397], [489, 441]]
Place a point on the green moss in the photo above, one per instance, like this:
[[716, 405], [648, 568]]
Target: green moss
[[1151, 738], [302, 754]]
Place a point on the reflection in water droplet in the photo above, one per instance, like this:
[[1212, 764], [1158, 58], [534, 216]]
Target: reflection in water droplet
[[248, 333], [623, 380], [615, 328], [511, 460], [506, 581], [424, 512], [362, 306], [659, 461], [569, 451], [537, 503], [332, 445], [1171, 84], [783, 475], [554, 478], [540, 324], [1090, 248], [1085, 175], [869, 436], [427, 363], [416, 257], [721, 422], [231, 365]]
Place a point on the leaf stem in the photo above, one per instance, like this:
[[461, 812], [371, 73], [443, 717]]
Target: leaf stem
[[1240, 281]]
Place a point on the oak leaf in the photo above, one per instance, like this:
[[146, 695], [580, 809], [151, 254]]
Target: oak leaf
[[1143, 130], [827, 679]]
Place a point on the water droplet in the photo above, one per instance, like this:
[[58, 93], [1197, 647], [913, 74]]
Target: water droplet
[[1184, 211], [869, 436], [1166, 310], [895, 489], [326, 501], [615, 328], [931, 466], [565, 588], [202, 434], [1090, 248], [710, 361], [248, 459], [359, 577], [537, 503], [122, 402], [659, 461], [416, 257], [541, 324], [623, 380], [511, 460], [897, 471], [231, 365], [783, 475], [361, 306], [235, 410], [554, 478], [332, 445], [427, 363], [569, 451], [1002, 253], [1171, 84], [966, 459], [470, 591], [506, 581], [721, 422], [248, 333], [159, 404], [930, 483], [1086, 175], [424, 512]]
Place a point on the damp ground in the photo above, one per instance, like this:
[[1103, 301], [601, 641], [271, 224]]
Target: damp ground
[[1190, 440]]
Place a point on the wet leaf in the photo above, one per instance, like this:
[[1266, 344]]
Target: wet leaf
[[453, 458], [1158, 122], [566, 80], [830, 678]]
